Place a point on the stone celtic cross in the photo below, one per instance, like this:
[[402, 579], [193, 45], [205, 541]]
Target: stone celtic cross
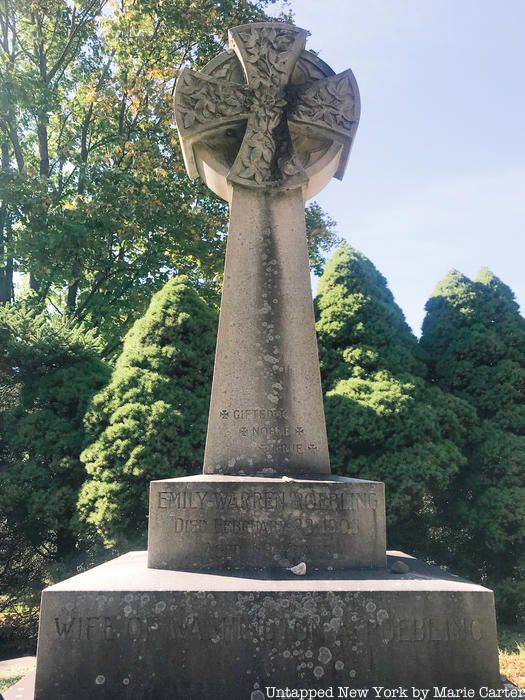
[[266, 125]]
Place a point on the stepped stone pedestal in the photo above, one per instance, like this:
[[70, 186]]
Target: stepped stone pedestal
[[124, 630], [214, 609]]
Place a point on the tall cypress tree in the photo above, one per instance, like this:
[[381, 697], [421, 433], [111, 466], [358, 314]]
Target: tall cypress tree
[[150, 421], [474, 339], [384, 420]]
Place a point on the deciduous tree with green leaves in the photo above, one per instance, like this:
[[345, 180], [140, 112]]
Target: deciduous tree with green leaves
[[95, 204]]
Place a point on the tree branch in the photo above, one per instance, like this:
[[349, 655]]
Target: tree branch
[[84, 19]]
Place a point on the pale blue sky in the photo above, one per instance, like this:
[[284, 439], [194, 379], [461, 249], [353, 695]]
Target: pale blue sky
[[436, 178]]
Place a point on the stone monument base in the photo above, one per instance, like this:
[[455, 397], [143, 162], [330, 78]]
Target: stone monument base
[[252, 522], [124, 631]]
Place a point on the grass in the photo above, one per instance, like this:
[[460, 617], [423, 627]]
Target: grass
[[11, 673], [512, 654], [7, 681]]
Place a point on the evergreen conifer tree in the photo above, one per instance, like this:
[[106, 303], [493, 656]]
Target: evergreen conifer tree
[[384, 420], [49, 370], [150, 421], [474, 338]]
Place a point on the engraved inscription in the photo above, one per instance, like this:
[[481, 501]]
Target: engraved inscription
[[316, 516], [257, 413], [181, 525], [413, 629], [248, 627], [252, 527], [272, 527], [268, 500], [183, 499], [270, 431], [296, 448], [267, 429], [89, 628]]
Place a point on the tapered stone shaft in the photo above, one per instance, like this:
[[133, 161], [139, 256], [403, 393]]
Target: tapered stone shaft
[[266, 412]]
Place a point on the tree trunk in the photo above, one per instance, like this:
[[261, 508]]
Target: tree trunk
[[73, 285], [65, 544], [42, 123], [15, 142], [72, 292], [6, 271], [44, 170], [43, 145]]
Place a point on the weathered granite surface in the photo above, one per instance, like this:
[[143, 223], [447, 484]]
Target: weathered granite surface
[[229, 522], [266, 125], [266, 411], [123, 630]]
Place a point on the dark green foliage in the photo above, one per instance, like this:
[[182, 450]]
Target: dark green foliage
[[51, 370], [384, 420], [474, 337], [361, 329], [150, 421], [18, 634]]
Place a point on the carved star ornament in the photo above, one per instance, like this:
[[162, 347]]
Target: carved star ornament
[[266, 114]]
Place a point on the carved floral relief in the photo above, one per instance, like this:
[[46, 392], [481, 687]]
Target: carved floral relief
[[268, 55]]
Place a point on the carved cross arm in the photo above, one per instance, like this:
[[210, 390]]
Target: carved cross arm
[[206, 106]]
